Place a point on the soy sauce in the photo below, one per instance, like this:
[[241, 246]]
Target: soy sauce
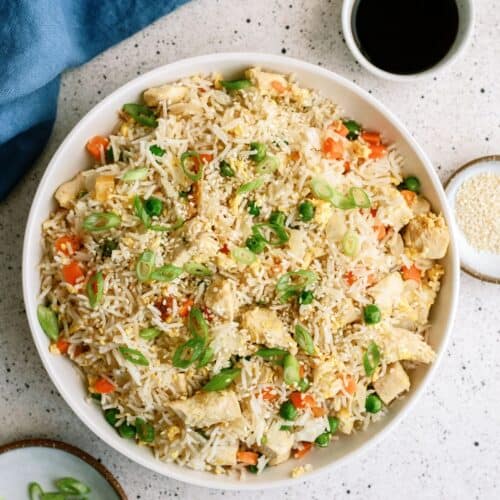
[[405, 36]]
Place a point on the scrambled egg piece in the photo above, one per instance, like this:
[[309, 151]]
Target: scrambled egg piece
[[427, 236]]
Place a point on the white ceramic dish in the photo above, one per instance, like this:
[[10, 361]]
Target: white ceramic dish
[[482, 265], [71, 158]]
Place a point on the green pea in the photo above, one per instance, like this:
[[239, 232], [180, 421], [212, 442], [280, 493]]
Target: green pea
[[303, 385], [306, 211], [153, 206], [372, 314], [306, 297], [288, 411], [225, 169], [412, 184], [255, 244], [259, 151], [323, 440], [253, 208], [48, 321], [373, 403], [156, 150], [277, 217], [111, 416], [333, 424], [145, 431], [127, 431]]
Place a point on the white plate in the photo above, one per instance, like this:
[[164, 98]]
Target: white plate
[[44, 461], [482, 265], [71, 158]]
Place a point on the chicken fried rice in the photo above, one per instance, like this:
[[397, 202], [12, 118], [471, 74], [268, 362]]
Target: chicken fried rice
[[243, 275]]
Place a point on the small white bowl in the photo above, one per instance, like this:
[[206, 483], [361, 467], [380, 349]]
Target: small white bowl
[[70, 158], [465, 27]]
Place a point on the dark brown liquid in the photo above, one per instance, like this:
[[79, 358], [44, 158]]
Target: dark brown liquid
[[405, 36]]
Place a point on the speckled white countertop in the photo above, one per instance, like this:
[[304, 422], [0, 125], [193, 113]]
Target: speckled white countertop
[[449, 447]]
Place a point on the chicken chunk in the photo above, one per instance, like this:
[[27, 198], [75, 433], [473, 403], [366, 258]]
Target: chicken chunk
[[427, 236], [267, 83], [186, 108], [224, 453], [399, 344], [265, 327], [392, 384], [387, 292], [200, 246], [420, 206], [393, 210], [221, 298], [327, 379], [170, 93], [67, 193], [207, 408], [279, 444]]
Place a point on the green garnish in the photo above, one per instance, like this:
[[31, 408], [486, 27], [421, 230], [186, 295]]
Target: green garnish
[[253, 469], [225, 169], [321, 189], [288, 411], [101, 221], [95, 289], [306, 211], [111, 416], [134, 356], [411, 183], [153, 206], [236, 84], [373, 403], [371, 358], [253, 208], [360, 197], [48, 321], [149, 333], [255, 244], [197, 325], [278, 235], [187, 353], [306, 297], [251, 186], [268, 165], [71, 486], [168, 272], [357, 197], [167, 229], [350, 244], [35, 491], [145, 265], [303, 385], [192, 166], [333, 424], [277, 217], [141, 114], [197, 269], [222, 380], [372, 314], [107, 247], [145, 431], [275, 355], [304, 339], [259, 151], [140, 211], [135, 174], [109, 155], [206, 357], [156, 150], [127, 431], [294, 282], [354, 129], [323, 440], [291, 369], [243, 256]]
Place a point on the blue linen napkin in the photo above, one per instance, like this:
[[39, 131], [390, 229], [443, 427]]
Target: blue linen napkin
[[38, 40]]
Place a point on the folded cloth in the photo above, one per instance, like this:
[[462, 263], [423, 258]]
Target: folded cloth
[[38, 40]]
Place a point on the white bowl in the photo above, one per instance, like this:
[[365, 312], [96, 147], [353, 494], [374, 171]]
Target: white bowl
[[71, 158]]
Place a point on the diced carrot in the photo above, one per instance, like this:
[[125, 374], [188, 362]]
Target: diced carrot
[[72, 272], [97, 144], [338, 127], [347, 167], [411, 273], [317, 411], [372, 138], [224, 249], [68, 244], [185, 308], [80, 349], [379, 228], [62, 346], [295, 155], [305, 448], [373, 212], [377, 151], [247, 457], [103, 386], [333, 149], [278, 86], [350, 278], [269, 394], [300, 400], [349, 384], [409, 196]]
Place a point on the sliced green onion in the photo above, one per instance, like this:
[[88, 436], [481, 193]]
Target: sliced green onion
[[291, 369], [206, 357], [253, 208], [277, 217], [48, 321], [101, 221], [168, 229], [187, 353], [278, 234], [108, 246], [343, 202], [222, 380], [354, 129], [251, 186], [236, 84], [294, 282], [145, 265], [196, 173], [243, 256], [145, 431], [306, 297], [111, 416], [360, 197], [72, 486], [275, 355], [225, 169], [134, 356], [197, 325], [371, 358], [149, 333], [197, 269], [135, 174], [35, 491], [303, 385], [167, 272], [268, 165], [350, 244], [304, 339], [153, 206], [156, 150], [95, 289], [259, 151], [255, 244], [141, 114], [321, 189], [127, 431], [53, 495], [140, 211]]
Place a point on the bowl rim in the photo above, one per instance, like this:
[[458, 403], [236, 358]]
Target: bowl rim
[[240, 58]]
